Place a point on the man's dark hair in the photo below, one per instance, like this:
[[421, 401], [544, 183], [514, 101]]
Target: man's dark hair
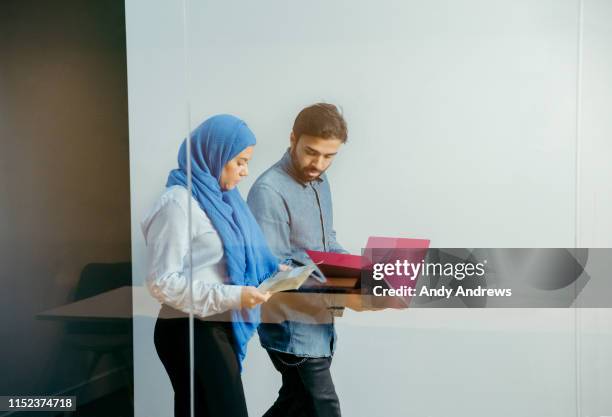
[[322, 120]]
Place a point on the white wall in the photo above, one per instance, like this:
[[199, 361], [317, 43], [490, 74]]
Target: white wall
[[595, 199], [462, 129], [596, 127]]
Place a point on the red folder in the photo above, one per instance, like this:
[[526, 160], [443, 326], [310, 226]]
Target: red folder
[[339, 265]]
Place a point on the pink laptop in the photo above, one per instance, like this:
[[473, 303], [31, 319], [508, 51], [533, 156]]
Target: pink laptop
[[389, 250]]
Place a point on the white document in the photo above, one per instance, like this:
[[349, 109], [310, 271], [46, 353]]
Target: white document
[[287, 280]]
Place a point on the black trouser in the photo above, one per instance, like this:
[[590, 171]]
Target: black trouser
[[217, 383], [307, 389]]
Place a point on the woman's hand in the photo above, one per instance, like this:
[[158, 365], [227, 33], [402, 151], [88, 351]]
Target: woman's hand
[[251, 297], [284, 267]]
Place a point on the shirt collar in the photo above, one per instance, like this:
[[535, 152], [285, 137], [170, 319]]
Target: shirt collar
[[287, 164]]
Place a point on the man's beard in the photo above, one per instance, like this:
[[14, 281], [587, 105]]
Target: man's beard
[[302, 173]]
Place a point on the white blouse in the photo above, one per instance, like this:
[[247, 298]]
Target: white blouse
[[166, 233]]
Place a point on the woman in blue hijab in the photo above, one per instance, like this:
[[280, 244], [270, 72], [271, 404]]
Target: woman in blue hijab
[[210, 234]]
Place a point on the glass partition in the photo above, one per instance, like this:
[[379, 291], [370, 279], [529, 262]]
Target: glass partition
[[461, 120], [127, 248]]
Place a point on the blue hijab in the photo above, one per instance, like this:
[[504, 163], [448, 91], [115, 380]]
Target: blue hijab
[[248, 259]]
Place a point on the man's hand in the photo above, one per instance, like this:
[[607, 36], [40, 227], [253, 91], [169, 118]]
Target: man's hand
[[251, 297]]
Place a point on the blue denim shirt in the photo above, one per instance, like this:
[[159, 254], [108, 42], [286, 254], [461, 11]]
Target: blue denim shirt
[[295, 216]]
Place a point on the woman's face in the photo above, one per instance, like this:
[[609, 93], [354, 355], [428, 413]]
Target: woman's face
[[235, 169]]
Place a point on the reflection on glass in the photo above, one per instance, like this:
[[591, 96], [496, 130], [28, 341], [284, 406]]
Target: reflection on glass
[[65, 209]]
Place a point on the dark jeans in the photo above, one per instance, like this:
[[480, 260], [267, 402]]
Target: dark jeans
[[307, 389], [218, 388]]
